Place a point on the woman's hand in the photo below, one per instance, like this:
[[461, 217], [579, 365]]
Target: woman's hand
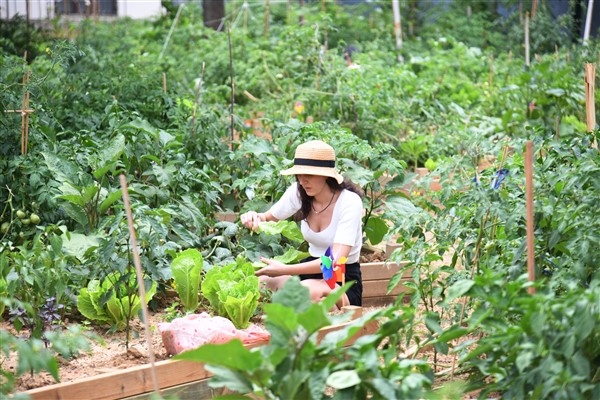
[[273, 268], [251, 219]]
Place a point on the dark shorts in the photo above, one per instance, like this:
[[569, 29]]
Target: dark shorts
[[352, 274]]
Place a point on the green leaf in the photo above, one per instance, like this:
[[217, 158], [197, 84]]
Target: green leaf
[[186, 269], [110, 200], [108, 156], [293, 295], [343, 379], [63, 170], [78, 244], [233, 380], [281, 316], [314, 318], [288, 229], [376, 230], [291, 256], [233, 355], [458, 289]]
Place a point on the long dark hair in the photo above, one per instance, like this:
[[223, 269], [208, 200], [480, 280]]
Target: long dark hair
[[333, 185]]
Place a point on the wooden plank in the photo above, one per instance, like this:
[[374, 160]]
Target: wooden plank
[[123, 383], [382, 270], [383, 301], [379, 288], [196, 390]]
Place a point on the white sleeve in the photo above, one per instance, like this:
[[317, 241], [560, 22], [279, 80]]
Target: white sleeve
[[288, 204], [349, 227]]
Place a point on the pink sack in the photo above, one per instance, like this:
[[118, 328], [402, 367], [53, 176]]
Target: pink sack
[[194, 330]]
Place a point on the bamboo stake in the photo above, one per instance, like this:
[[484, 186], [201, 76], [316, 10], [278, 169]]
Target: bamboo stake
[[25, 116], [527, 38], [198, 91], [588, 22], [171, 30], [140, 279], [590, 76], [232, 83], [164, 82], [397, 23], [529, 213], [266, 18]]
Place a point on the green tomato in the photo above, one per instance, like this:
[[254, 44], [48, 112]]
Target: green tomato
[[26, 221], [21, 214], [35, 219], [4, 227]]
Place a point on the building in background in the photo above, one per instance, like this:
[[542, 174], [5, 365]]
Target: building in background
[[36, 10]]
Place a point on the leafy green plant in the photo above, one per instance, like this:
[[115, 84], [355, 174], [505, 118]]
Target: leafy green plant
[[233, 291], [187, 269], [35, 355], [294, 364], [535, 346], [114, 300]]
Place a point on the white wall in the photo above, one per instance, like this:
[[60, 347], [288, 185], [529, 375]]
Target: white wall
[[44, 9], [38, 9], [138, 9]]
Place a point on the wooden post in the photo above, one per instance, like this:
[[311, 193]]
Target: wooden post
[[266, 18], [397, 23], [529, 213], [527, 38], [590, 75], [232, 85], [25, 116], [533, 8], [140, 279], [24, 111]]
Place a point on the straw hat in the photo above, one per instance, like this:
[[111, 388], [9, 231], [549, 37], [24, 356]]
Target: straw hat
[[314, 158]]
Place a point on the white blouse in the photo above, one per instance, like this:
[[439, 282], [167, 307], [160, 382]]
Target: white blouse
[[345, 226]]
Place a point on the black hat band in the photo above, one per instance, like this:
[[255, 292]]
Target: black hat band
[[314, 163]]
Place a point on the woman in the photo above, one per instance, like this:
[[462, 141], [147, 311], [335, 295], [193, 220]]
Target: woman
[[330, 213]]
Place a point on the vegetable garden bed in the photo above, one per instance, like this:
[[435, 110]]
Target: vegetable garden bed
[[185, 379]]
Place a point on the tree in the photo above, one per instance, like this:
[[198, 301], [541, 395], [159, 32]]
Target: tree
[[214, 12]]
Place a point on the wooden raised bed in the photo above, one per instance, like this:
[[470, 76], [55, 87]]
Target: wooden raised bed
[[376, 276], [184, 379]]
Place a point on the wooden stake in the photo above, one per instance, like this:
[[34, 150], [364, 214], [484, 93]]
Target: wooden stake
[[24, 111], [198, 92], [232, 84], [590, 75], [164, 76], [140, 280], [266, 18], [533, 9], [527, 38], [25, 116], [529, 213]]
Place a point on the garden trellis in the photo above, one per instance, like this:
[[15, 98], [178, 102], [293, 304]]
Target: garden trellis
[[24, 111]]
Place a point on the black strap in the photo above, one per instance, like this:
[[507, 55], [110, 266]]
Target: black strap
[[314, 163]]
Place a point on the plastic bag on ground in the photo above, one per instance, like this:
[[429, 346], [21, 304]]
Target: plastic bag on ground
[[195, 330]]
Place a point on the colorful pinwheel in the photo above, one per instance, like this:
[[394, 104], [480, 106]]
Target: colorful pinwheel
[[333, 270]]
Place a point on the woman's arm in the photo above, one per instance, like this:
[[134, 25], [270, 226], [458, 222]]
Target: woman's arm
[[251, 219], [277, 268]]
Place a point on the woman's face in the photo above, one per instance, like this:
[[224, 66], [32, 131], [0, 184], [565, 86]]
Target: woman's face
[[312, 184]]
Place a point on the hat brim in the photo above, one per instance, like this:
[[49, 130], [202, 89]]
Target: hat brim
[[310, 170]]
